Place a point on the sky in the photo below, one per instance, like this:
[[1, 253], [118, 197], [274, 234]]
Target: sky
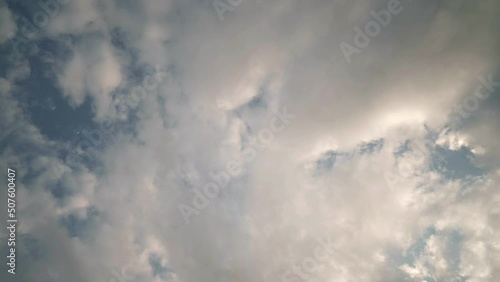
[[250, 140]]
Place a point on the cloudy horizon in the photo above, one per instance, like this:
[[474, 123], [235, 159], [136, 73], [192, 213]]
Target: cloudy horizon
[[249, 140]]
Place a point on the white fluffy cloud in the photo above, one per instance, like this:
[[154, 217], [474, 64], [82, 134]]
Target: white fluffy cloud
[[95, 70], [226, 80]]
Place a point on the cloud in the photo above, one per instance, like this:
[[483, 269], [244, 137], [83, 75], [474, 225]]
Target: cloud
[[93, 69], [7, 24], [114, 210]]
